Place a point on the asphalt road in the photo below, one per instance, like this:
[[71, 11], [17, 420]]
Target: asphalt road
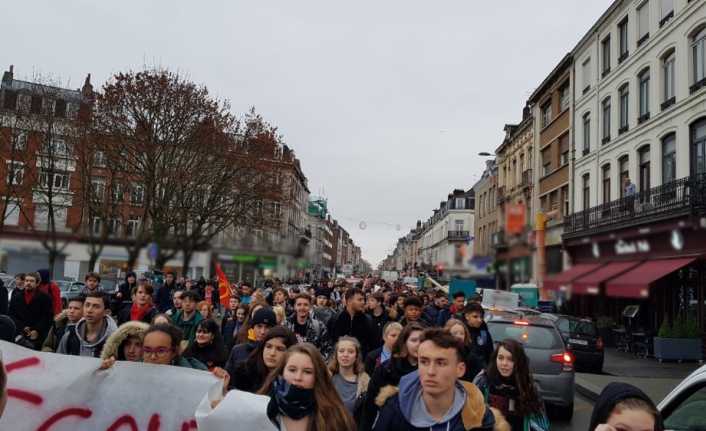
[[582, 416]]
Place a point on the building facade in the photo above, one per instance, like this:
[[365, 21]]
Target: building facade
[[640, 115], [513, 238], [486, 220]]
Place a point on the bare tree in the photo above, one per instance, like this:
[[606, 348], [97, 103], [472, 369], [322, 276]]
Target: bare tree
[[183, 150]]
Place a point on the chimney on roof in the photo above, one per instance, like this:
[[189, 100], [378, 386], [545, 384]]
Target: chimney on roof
[[525, 112], [9, 74], [87, 89]]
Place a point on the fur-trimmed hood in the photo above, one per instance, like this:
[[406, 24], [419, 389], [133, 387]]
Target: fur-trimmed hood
[[363, 381], [127, 329]]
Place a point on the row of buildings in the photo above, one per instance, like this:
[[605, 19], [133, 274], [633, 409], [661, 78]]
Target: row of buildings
[[626, 106], [297, 241], [598, 193]]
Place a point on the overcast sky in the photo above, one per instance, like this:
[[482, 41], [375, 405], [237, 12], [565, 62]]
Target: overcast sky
[[386, 103]]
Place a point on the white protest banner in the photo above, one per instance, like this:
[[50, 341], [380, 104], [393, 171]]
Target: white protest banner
[[247, 411], [52, 392]]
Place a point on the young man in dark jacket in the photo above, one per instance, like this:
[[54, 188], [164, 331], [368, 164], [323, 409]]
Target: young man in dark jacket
[[164, 293], [189, 317], [89, 335], [31, 310], [306, 328], [354, 322], [432, 397], [481, 341]]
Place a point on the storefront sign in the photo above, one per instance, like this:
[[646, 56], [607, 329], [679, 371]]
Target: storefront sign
[[632, 247]]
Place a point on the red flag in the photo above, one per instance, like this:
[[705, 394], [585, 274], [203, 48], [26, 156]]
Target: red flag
[[223, 286]]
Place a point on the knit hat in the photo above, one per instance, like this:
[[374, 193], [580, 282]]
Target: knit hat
[[323, 292], [613, 394], [266, 316]]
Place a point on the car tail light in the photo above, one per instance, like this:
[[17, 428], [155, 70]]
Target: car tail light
[[599, 343], [521, 322], [566, 359]]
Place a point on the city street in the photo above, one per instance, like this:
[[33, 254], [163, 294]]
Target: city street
[[582, 416]]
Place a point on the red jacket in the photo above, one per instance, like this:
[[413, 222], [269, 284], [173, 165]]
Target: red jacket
[[54, 293]]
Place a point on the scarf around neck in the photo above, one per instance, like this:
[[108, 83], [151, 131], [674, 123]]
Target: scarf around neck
[[289, 400]]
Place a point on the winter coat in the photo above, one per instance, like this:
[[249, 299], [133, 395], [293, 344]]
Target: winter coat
[[112, 345], [192, 363], [482, 343], [74, 342], [372, 360], [238, 354], [51, 289], [37, 315], [211, 355], [533, 422], [4, 300], [324, 314], [316, 334], [61, 322], [124, 315], [400, 409], [163, 299], [378, 326], [431, 314], [360, 394], [229, 328], [246, 377], [387, 374], [187, 326], [359, 327]]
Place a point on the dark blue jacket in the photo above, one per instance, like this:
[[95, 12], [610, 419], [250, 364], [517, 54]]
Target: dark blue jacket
[[164, 297]]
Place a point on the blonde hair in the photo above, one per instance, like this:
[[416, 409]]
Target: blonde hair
[[279, 313], [389, 326]]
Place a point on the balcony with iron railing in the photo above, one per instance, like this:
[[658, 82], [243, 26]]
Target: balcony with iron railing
[[674, 199], [459, 235]]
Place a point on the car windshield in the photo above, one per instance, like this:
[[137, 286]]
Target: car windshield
[[533, 337]]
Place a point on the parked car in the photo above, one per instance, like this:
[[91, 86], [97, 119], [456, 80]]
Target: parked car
[[685, 407], [551, 363], [69, 290], [581, 336]]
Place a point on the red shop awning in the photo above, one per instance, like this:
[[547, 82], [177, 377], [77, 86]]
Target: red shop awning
[[562, 280], [590, 284], [636, 282]]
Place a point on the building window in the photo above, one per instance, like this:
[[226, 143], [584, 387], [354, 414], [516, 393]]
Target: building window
[[564, 149], [623, 32], [606, 183], [564, 97], [668, 76], [12, 213], [54, 180], [606, 120], [667, 11], [605, 50], [586, 191], [117, 192], [97, 188], [624, 93], [643, 23], [546, 161], [565, 201], [99, 159], [586, 133], [669, 158], [42, 221], [60, 108], [624, 173], [20, 141], [96, 226], [698, 146], [137, 194], [644, 95], [644, 157], [36, 105], [10, 100], [114, 227], [546, 113], [460, 203], [459, 225], [698, 57], [15, 173], [586, 74], [132, 227]]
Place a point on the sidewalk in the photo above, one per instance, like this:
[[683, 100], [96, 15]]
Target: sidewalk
[[655, 379]]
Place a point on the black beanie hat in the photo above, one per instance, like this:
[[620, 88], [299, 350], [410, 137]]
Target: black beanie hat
[[613, 394]]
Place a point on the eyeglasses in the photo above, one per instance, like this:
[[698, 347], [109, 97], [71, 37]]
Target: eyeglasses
[[159, 351]]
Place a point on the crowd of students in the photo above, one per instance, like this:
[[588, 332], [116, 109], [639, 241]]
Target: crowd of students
[[328, 356]]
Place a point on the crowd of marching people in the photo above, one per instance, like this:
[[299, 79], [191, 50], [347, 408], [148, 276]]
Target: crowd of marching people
[[330, 355]]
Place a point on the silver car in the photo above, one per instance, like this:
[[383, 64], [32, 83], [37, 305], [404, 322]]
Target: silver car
[[685, 407], [551, 364]]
